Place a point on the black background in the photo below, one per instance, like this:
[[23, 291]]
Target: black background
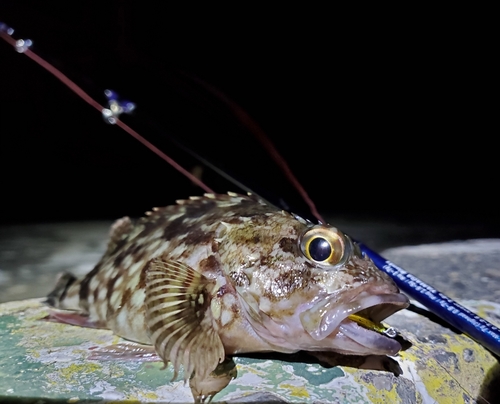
[[385, 121]]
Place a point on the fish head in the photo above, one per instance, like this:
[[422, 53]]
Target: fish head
[[299, 283]]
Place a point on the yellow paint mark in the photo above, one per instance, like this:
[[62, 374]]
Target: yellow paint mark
[[135, 399], [150, 396], [127, 401], [447, 381], [295, 391], [409, 355], [482, 310], [33, 353], [469, 374], [380, 396], [374, 394], [250, 369], [437, 382], [74, 371]]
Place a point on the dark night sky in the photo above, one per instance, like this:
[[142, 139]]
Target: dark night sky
[[376, 124]]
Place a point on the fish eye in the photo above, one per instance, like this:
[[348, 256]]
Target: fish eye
[[319, 249], [323, 245]]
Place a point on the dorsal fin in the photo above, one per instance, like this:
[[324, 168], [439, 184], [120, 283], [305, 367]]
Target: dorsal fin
[[118, 233]]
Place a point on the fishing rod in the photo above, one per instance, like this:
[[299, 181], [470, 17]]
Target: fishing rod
[[436, 302]]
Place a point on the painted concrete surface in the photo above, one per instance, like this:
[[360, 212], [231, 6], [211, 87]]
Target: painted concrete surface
[[43, 361]]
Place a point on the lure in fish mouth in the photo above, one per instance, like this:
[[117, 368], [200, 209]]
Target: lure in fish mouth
[[225, 274], [354, 327], [351, 297]]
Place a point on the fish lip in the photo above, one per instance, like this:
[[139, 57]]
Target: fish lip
[[321, 322], [367, 342]]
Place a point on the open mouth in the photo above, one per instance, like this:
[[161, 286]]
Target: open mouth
[[356, 323]]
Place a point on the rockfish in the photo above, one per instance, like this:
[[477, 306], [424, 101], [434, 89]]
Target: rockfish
[[227, 274]]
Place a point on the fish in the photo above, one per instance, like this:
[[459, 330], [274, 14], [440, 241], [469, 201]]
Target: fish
[[226, 274]]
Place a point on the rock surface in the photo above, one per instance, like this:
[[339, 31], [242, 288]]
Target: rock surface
[[47, 361]]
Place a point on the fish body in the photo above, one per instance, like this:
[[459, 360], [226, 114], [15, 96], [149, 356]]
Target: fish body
[[226, 274]]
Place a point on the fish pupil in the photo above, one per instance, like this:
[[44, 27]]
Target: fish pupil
[[320, 249]]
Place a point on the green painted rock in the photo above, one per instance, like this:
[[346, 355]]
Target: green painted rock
[[43, 362]]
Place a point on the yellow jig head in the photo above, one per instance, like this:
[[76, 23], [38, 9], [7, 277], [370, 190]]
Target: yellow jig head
[[370, 325]]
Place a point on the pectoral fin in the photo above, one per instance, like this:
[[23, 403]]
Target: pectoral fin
[[177, 299]]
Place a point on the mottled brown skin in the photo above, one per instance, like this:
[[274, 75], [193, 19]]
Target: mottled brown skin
[[244, 280], [113, 292]]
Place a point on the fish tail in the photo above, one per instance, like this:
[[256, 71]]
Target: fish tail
[[65, 294]]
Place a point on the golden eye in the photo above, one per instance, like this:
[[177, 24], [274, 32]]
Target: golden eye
[[323, 245]]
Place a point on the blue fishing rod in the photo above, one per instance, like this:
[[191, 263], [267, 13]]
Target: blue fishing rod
[[438, 303]]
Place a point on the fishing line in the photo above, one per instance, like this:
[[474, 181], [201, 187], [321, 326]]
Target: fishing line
[[458, 316], [479, 396], [257, 131]]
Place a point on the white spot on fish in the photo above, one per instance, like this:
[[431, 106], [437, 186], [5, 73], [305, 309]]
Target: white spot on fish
[[228, 300], [226, 317], [215, 307], [114, 298], [102, 294], [127, 261], [121, 319], [161, 250], [118, 282], [102, 308], [94, 283], [138, 298], [159, 233], [137, 266], [153, 246]]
